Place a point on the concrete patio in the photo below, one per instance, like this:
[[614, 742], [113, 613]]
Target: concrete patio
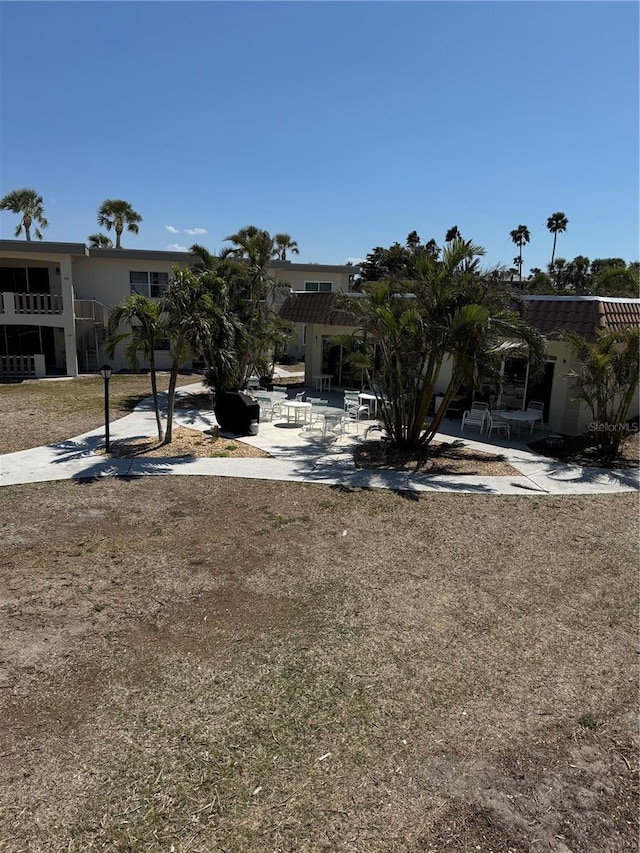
[[299, 455]]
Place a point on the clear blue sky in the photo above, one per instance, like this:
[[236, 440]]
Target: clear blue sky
[[345, 124]]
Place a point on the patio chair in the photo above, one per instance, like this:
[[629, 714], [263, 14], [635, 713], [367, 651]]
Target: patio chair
[[279, 389], [476, 416], [253, 383], [497, 423], [333, 425], [351, 397], [300, 396], [266, 406], [535, 406], [355, 412]]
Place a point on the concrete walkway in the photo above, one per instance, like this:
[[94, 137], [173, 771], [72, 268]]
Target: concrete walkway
[[301, 457]]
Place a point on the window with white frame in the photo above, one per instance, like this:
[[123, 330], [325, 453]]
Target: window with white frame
[[318, 286], [150, 284]]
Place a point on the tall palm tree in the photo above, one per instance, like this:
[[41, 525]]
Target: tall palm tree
[[117, 214], [195, 325], [27, 204], [283, 244], [100, 241], [452, 233], [145, 328], [556, 224], [520, 237], [255, 247]]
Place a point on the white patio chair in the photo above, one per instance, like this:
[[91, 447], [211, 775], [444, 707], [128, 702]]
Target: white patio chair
[[535, 406], [497, 423], [279, 389], [333, 425], [355, 412], [300, 396], [266, 406], [476, 416], [351, 397]]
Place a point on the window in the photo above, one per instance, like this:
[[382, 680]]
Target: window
[[151, 284], [24, 280], [318, 286]]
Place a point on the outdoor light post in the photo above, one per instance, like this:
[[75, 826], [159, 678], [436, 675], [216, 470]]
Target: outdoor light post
[[105, 372]]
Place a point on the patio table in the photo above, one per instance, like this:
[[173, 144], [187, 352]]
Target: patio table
[[323, 381], [295, 407], [519, 418]]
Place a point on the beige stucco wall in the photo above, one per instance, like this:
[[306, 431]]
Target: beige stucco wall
[[316, 333], [107, 279], [297, 278]]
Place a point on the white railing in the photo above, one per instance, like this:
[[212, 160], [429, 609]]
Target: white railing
[[18, 366], [91, 309], [38, 303]]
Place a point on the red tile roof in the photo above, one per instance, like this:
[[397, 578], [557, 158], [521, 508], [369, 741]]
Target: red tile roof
[[585, 315], [550, 316], [314, 308]]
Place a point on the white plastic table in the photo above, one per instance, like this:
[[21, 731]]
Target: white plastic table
[[323, 381], [295, 407], [519, 418]]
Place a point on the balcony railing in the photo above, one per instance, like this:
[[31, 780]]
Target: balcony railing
[[32, 303], [22, 366]]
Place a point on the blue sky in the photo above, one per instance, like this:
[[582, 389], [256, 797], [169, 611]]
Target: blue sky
[[346, 125]]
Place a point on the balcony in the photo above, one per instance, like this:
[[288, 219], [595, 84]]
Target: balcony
[[30, 304]]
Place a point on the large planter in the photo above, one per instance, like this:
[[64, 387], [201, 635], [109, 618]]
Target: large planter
[[237, 413]]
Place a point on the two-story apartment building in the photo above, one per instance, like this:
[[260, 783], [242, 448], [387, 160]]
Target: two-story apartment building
[[55, 300]]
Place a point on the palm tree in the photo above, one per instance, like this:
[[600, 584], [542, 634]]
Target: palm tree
[[556, 224], [283, 244], [452, 233], [453, 310], [520, 236], [413, 241], [117, 214], [196, 324], [145, 329], [606, 380], [27, 204], [556, 270], [255, 247], [100, 241]]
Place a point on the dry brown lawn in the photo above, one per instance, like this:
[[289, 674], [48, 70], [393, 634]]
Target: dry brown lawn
[[203, 664], [39, 412]]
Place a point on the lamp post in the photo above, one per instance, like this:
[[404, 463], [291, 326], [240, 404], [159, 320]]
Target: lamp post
[[105, 372]]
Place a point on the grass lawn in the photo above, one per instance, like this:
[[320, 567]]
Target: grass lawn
[[40, 412], [201, 664]]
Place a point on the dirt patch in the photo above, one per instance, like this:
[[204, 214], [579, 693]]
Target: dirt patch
[[437, 458], [581, 450], [225, 664], [185, 443]]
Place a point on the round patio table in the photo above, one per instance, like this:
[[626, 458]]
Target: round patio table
[[519, 418]]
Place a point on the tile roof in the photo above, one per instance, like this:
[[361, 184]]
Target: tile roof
[[314, 308], [585, 315], [550, 316]]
